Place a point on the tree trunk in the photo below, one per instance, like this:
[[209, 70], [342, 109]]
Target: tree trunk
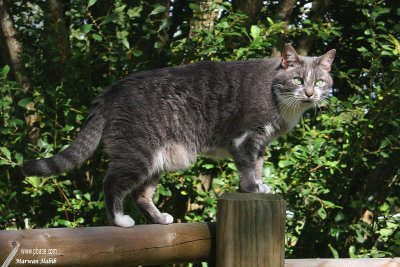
[[4, 56], [318, 10], [14, 51], [57, 35], [13, 45], [284, 13], [250, 7], [204, 18]]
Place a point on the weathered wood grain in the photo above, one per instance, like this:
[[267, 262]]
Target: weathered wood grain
[[111, 246], [250, 230]]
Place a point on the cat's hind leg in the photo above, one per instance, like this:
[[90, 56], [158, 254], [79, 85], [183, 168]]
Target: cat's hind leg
[[117, 185], [143, 197]]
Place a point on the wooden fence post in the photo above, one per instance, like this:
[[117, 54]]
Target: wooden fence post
[[250, 230]]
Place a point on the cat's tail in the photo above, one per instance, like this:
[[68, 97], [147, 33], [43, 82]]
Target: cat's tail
[[74, 155]]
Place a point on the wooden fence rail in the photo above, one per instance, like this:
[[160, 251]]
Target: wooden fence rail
[[110, 246], [380, 262], [249, 232]]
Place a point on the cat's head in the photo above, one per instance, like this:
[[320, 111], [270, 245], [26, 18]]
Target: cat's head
[[303, 82]]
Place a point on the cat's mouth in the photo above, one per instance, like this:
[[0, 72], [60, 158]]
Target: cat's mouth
[[308, 100]]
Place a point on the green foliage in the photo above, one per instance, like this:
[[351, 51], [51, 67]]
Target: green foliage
[[338, 170]]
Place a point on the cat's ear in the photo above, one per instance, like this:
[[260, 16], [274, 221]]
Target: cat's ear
[[289, 57], [326, 60]]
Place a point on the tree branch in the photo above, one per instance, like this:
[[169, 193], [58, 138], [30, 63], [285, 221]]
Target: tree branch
[[318, 10], [284, 13], [250, 7], [58, 37]]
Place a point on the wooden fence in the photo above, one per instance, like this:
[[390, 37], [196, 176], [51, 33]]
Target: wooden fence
[[249, 232]]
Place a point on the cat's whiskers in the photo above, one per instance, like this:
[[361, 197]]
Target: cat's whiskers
[[315, 109], [321, 100], [288, 100], [324, 100], [289, 104]]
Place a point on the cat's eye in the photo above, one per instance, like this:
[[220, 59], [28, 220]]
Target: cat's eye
[[319, 82], [298, 80]]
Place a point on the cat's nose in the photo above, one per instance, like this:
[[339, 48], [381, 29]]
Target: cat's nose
[[309, 92]]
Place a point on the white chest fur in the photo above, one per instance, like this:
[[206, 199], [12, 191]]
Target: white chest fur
[[291, 119]]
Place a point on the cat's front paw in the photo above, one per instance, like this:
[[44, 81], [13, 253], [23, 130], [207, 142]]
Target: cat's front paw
[[167, 219], [256, 188], [123, 220], [263, 188]]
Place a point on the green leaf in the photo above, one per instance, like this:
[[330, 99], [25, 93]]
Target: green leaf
[[385, 207], [359, 237], [6, 152], [285, 163], [120, 9], [19, 157], [384, 154], [33, 180], [125, 43], [66, 223], [177, 33], [24, 102], [97, 37], [5, 71], [232, 166], [385, 142], [158, 44], [329, 204], [122, 34], [164, 191], [91, 3], [334, 251], [208, 166], [218, 182], [386, 53], [87, 196], [109, 18], [157, 10], [352, 250], [254, 31], [165, 23], [194, 6], [85, 28], [137, 53], [322, 213], [67, 128], [12, 195], [17, 122], [323, 35], [134, 12], [340, 216]]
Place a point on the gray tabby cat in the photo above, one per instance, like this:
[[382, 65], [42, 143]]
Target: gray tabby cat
[[160, 120]]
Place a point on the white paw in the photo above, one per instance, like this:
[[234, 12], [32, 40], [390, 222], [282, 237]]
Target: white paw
[[123, 220], [168, 218], [263, 188]]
